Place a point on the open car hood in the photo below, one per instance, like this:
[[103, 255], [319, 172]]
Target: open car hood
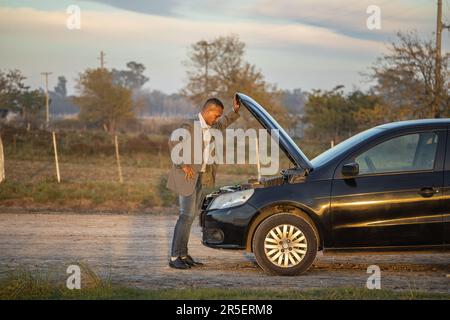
[[286, 143]]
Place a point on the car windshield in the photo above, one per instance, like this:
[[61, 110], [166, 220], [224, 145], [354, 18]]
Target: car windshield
[[338, 149]]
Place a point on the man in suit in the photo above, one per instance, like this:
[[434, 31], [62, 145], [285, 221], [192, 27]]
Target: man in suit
[[188, 179]]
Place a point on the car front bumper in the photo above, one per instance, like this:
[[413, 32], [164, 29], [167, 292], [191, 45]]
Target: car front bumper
[[226, 228]]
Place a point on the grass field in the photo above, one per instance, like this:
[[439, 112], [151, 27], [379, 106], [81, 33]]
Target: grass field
[[92, 185], [22, 284], [89, 173]]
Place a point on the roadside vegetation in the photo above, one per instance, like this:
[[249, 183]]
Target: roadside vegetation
[[22, 284], [110, 103], [89, 172]]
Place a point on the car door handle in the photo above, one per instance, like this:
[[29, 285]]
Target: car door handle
[[428, 192]]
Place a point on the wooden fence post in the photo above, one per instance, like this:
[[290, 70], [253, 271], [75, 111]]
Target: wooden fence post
[[58, 176], [119, 168], [2, 162]]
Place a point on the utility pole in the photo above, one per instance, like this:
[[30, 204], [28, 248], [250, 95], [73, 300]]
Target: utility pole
[[102, 59], [46, 74], [438, 75]]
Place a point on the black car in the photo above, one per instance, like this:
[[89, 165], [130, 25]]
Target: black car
[[386, 189]]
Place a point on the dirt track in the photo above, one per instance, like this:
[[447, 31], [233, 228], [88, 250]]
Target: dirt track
[[133, 250]]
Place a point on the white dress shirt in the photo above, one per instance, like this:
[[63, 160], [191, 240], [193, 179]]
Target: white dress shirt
[[206, 142]]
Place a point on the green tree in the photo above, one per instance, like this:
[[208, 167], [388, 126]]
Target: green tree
[[17, 97], [133, 78], [32, 102], [60, 88], [368, 110], [405, 78], [218, 68], [101, 102], [334, 115], [11, 89], [329, 116]]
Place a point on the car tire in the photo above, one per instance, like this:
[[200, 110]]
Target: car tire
[[285, 244]]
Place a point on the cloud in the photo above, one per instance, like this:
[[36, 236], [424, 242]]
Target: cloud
[[349, 16], [133, 29], [154, 7], [289, 53]]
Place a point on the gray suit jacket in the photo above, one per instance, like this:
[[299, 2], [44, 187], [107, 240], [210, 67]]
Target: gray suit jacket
[[177, 181]]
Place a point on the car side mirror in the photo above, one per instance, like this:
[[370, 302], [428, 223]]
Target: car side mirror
[[350, 169]]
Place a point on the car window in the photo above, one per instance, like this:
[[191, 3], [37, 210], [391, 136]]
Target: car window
[[410, 152], [343, 147]]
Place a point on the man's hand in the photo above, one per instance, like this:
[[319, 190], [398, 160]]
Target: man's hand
[[236, 104], [188, 171]]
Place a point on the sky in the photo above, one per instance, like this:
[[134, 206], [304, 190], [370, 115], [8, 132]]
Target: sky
[[308, 44]]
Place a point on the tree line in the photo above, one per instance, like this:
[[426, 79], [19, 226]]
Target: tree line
[[402, 86]]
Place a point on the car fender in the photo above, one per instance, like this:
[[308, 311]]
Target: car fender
[[283, 206]]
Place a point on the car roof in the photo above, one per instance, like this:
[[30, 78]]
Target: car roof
[[415, 123]]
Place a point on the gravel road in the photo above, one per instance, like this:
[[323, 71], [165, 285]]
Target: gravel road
[[133, 250]]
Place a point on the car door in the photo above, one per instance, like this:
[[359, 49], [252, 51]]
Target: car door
[[446, 193], [396, 198]]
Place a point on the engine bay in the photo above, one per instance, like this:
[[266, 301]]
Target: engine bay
[[291, 176]]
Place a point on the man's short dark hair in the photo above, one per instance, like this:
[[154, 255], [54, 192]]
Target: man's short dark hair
[[213, 101]]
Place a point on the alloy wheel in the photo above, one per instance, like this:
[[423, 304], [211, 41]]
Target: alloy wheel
[[285, 245]]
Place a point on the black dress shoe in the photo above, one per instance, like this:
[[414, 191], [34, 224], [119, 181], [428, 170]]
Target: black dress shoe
[[191, 262], [178, 264]]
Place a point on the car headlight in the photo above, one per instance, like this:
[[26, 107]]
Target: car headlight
[[231, 199]]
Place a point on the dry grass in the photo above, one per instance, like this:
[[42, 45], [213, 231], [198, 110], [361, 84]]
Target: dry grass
[[91, 185], [89, 173], [22, 284]]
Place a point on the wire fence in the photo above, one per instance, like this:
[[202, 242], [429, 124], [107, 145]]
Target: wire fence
[[94, 169], [76, 156], [79, 156]]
